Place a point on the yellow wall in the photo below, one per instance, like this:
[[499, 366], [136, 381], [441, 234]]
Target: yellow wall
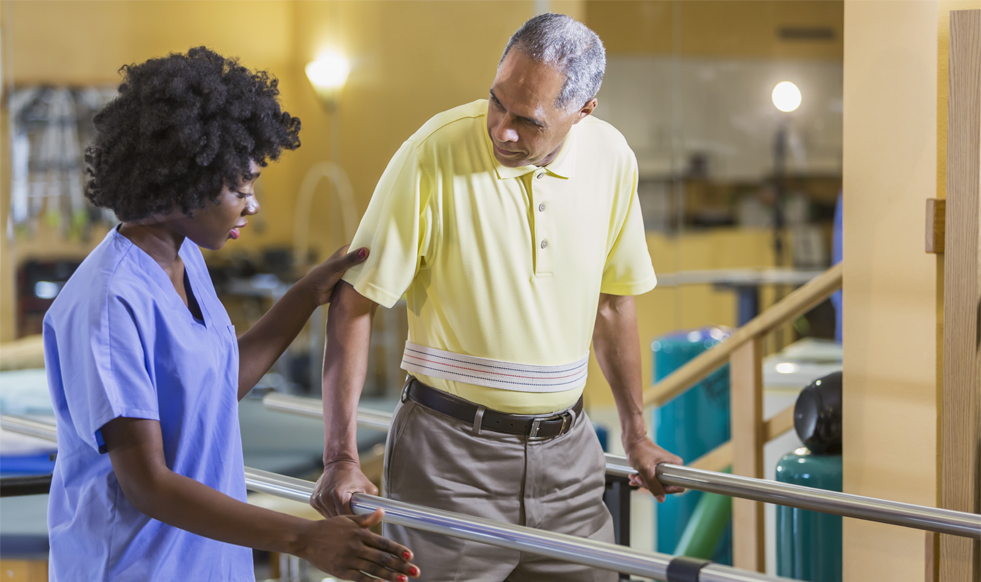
[[890, 341], [404, 71], [410, 60], [714, 28]]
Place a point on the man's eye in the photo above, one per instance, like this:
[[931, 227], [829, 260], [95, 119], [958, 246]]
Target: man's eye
[[243, 194]]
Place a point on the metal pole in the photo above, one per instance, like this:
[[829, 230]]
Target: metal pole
[[30, 427], [313, 408], [909, 515], [844, 504], [560, 546], [934, 519]]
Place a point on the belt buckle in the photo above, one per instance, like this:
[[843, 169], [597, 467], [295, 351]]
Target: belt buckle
[[566, 421], [535, 428], [536, 424], [405, 388]]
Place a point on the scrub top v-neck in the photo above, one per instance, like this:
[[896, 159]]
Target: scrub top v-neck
[[119, 341]]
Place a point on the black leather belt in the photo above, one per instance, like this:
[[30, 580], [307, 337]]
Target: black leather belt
[[483, 418]]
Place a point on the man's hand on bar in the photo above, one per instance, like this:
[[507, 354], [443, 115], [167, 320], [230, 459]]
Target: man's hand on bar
[[341, 480]]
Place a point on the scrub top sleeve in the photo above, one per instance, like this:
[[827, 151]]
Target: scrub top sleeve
[[116, 381], [628, 269], [397, 230]]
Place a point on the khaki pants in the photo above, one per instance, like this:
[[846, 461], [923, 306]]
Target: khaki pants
[[551, 484]]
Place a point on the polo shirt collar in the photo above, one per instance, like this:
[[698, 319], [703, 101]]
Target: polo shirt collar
[[563, 165]]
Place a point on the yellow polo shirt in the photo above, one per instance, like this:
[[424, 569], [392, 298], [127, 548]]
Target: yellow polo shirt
[[504, 263]]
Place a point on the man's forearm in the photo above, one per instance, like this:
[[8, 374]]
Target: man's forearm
[[616, 344], [345, 366]]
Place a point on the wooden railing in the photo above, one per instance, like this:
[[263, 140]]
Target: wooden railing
[[743, 350]]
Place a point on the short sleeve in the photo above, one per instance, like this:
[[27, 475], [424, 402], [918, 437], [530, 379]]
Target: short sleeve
[[101, 370], [397, 229], [628, 269]]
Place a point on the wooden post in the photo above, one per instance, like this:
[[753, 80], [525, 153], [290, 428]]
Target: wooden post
[[960, 479], [746, 405]]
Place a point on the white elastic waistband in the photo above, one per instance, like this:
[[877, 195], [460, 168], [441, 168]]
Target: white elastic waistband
[[493, 373]]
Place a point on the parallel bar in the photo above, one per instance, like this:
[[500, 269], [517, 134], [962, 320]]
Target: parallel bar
[[29, 427], [833, 502], [313, 408], [563, 547], [845, 504]]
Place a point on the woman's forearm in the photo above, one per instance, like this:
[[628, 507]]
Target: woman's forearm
[[265, 342], [192, 506]]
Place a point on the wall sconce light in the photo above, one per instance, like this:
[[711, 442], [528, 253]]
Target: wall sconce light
[[328, 74], [786, 97]]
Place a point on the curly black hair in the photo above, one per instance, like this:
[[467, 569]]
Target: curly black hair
[[181, 128]]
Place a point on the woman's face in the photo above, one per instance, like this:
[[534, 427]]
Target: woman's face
[[214, 224]]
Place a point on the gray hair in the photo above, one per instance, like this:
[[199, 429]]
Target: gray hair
[[558, 41]]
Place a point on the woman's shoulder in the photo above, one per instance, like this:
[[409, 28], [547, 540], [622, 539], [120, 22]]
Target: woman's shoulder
[[114, 270]]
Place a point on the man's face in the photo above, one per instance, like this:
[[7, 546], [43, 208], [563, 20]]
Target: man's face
[[522, 120]]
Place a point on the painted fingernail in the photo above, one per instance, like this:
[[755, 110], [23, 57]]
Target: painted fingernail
[[406, 556], [363, 253], [402, 578], [414, 571]]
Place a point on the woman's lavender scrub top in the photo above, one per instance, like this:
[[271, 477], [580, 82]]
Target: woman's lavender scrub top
[[119, 342]]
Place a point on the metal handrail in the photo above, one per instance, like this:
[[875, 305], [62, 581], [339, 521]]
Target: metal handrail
[[524, 539], [560, 546], [934, 519], [313, 408]]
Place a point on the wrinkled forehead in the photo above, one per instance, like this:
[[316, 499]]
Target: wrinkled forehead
[[527, 87]]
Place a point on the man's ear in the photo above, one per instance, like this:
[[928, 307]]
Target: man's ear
[[586, 110]]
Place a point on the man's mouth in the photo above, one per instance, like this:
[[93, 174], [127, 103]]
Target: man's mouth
[[504, 152]]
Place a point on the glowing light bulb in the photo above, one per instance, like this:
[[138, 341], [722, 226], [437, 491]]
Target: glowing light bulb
[[786, 96], [329, 72]]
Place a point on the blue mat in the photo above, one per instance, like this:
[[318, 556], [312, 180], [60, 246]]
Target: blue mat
[[26, 465]]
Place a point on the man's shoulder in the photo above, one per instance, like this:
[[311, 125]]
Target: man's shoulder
[[451, 124], [604, 135]]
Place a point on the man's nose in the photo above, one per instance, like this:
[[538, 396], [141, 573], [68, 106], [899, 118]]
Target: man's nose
[[504, 132], [251, 206]]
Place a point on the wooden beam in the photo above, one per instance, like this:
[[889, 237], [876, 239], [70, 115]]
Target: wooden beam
[[26, 352], [800, 301], [746, 407], [960, 479], [936, 213], [720, 458], [780, 423]]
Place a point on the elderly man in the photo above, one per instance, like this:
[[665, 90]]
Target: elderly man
[[513, 229]]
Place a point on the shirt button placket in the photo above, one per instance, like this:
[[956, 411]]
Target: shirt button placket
[[543, 252]]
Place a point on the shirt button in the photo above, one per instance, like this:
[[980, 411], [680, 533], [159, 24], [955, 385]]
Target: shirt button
[[544, 243], [540, 175], [541, 207]]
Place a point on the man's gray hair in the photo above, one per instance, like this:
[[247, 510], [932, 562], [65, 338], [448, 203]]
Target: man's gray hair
[[558, 41]]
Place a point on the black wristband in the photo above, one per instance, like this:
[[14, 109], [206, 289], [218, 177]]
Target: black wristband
[[685, 569]]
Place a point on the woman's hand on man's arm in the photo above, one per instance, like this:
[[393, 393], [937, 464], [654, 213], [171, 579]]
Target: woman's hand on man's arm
[[265, 342]]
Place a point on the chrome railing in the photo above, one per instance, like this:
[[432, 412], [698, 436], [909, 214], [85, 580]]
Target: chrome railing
[[845, 504], [560, 546]]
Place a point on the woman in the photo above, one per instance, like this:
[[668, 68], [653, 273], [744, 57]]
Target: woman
[[144, 366]]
